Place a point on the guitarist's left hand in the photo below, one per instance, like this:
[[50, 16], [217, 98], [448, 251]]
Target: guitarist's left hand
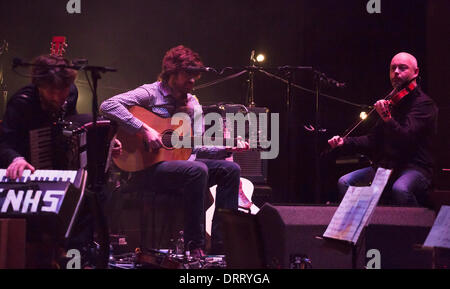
[[241, 145]]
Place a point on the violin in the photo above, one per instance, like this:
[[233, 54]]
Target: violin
[[402, 93], [394, 98]]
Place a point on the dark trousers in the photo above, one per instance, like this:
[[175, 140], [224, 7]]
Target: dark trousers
[[193, 178], [409, 186]]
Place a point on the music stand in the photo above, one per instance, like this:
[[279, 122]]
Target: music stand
[[354, 212], [438, 240]]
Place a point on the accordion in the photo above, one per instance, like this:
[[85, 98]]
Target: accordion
[[73, 144]]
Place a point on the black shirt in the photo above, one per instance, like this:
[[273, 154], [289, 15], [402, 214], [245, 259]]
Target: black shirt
[[24, 113], [405, 141]]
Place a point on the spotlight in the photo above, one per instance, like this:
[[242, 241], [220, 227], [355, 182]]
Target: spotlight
[[363, 115], [260, 57]]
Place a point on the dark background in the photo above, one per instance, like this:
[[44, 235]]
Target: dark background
[[339, 38]]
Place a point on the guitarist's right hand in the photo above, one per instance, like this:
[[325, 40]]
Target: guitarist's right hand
[[151, 138]]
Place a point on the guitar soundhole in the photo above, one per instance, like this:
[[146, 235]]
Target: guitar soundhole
[[166, 139]]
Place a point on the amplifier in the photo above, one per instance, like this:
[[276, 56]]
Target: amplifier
[[252, 166]]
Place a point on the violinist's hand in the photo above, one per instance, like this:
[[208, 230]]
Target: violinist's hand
[[336, 141], [15, 169], [382, 107], [117, 148]]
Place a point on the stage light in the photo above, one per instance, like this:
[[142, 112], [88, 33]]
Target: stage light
[[260, 57], [363, 115]]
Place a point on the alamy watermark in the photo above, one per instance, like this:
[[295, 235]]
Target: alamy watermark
[[73, 6], [375, 259], [373, 6], [75, 259]]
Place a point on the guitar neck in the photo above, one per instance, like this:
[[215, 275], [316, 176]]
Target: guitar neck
[[201, 141], [213, 141]]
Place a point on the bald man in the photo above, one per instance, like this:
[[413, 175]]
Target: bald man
[[401, 140]]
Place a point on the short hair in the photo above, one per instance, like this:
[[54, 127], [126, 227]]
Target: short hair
[[177, 59], [58, 77]]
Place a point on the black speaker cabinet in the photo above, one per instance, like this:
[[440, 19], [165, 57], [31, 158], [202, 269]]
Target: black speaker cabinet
[[395, 231], [242, 240], [288, 232]]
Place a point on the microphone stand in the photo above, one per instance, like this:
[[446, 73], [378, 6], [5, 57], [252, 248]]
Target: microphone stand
[[319, 78], [251, 77], [95, 185], [95, 76], [288, 75], [3, 87], [317, 190], [288, 72]]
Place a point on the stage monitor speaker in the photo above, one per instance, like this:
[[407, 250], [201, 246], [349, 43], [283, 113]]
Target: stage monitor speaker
[[290, 231], [242, 240], [396, 231]]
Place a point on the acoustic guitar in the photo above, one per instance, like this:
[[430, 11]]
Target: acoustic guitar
[[135, 155]]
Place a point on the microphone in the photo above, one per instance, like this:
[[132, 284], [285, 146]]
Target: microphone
[[252, 57], [338, 84], [200, 69], [328, 80]]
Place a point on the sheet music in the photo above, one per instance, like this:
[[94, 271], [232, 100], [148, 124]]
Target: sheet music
[[439, 235], [356, 209]]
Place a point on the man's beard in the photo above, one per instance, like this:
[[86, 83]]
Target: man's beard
[[397, 82], [50, 107]]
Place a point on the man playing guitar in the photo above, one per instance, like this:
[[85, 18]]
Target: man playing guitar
[[204, 168]]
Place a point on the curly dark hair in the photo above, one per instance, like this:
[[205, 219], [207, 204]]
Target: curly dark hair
[[58, 77], [177, 59]]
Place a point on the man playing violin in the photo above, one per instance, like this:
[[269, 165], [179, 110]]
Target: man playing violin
[[206, 167], [401, 139]]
